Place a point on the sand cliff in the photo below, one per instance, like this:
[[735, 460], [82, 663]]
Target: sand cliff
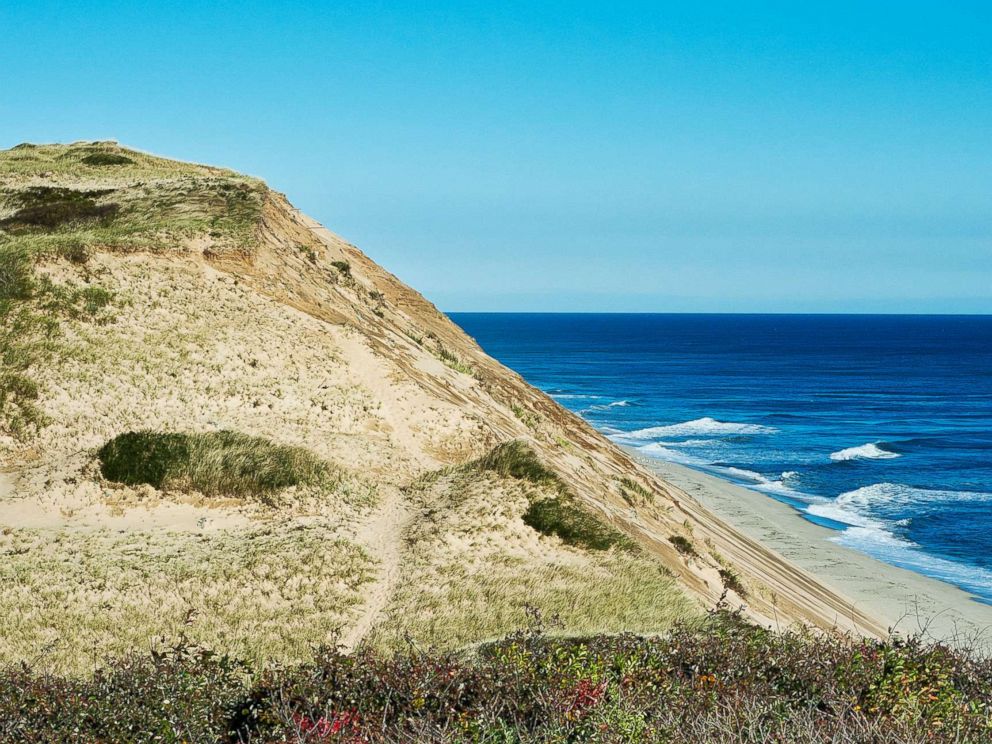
[[230, 310]]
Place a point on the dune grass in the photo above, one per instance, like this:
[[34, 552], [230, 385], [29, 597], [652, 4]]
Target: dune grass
[[473, 567], [560, 514], [223, 463], [562, 517], [95, 195], [69, 598], [516, 459]]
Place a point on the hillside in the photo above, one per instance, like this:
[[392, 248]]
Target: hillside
[[221, 421]]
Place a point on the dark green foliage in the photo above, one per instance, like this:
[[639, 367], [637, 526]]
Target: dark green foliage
[[107, 158], [725, 681], [183, 695], [559, 515], [732, 581], [48, 207], [683, 545], [218, 463], [516, 459], [343, 266], [562, 517]]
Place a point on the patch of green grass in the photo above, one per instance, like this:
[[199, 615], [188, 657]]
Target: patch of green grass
[[634, 493], [562, 517], [219, 463], [683, 545], [525, 417], [107, 158], [48, 207], [517, 459]]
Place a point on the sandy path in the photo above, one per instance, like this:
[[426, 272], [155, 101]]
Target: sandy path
[[6, 485], [382, 537]]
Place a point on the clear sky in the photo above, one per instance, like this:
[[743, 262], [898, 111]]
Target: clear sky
[[723, 156]]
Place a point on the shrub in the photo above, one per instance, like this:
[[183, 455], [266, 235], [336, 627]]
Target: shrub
[[724, 681], [562, 517], [107, 158], [683, 545], [218, 463], [733, 582], [343, 266]]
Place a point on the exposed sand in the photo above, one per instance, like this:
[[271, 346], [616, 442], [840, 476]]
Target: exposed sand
[[909, 602]]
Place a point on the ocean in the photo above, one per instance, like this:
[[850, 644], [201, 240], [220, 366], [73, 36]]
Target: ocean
[[877, 427]]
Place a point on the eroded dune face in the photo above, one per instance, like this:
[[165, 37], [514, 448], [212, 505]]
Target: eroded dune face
[[183, 301]]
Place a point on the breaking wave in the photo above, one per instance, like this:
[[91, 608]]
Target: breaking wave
[[870, 451], [705, 425]]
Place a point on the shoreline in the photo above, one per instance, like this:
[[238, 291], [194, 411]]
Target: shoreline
[[905, 601]]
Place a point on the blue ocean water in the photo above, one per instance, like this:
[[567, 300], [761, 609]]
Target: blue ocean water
[[878, 427]]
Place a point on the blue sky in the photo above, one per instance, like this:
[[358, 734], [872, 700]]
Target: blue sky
[[727, 157]]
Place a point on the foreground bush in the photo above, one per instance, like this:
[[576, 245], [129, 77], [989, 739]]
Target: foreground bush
[[727, 682]]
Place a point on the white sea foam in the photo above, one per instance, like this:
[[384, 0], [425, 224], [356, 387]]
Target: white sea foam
[[877, 505], [883, 544], [666, 453], [607, 406], [764, 483], [889, 495], [705, 425], [870, 451]]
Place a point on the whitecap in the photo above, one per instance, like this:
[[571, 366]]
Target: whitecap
[[665, 453], [705, 425], [870, 451], [608, 406]]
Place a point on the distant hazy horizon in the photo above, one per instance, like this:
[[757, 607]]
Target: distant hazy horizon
[[725, 157]]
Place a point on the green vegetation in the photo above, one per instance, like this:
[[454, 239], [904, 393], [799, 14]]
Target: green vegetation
[[723, 682], [562, 517], [49, 207], [733, 582], [516, 459], [142, 203], [634, 493], [107, 158], [342, 266], [219, 463], [559, 515], [684, 545]]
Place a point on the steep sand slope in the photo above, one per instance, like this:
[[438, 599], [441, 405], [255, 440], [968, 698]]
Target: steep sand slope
[[271, 325]]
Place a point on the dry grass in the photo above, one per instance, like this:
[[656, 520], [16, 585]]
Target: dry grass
[[473, 568], [69, 599]]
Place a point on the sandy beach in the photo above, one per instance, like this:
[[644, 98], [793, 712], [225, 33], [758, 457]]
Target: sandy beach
[[908, 602]]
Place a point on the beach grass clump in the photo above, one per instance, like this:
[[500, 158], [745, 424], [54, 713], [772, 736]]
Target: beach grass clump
[[684, 546], [722, 681], [516, 459], [731, 580], [634, 493], [561, 517], [49, 207], [106, 158], [223, 463]]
